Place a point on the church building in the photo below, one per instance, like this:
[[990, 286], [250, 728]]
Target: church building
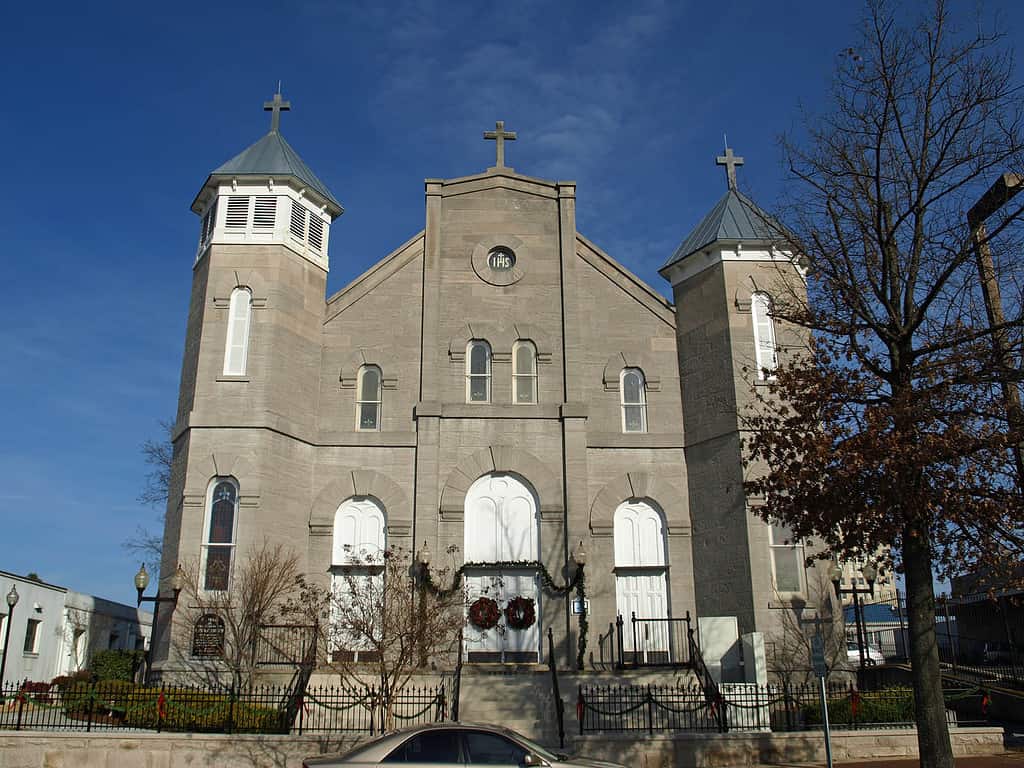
[[497, 382]]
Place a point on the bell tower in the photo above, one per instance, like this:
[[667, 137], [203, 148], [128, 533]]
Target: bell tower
[[250, 371]]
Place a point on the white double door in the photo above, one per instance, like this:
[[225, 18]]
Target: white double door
[[501, 526], [643, 592]]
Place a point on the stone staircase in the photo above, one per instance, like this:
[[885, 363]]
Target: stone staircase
[[519, 699]]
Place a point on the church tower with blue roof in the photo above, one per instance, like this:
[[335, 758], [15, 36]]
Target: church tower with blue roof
[[725, 275]]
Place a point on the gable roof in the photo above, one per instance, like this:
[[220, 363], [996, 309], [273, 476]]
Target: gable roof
[[273, 156], [735, 218]]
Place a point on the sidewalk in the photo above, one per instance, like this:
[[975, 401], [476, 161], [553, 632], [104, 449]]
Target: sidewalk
[[1006, 760]]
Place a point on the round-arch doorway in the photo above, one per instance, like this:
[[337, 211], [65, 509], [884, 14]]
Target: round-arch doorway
[[501, 526]]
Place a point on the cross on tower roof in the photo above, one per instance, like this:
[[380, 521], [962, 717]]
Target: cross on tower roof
[[499, 135], [277, 106], [730, 161]]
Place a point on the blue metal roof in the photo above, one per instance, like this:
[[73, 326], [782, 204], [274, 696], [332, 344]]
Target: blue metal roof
[[273, 156], [876, 613], [735, 218]]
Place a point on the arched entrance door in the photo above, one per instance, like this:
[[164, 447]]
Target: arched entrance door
[[501, 526], [640, 579]]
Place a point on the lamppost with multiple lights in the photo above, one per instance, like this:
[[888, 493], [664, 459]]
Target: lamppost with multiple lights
[[141, 582], [12, 600], [870, 573]]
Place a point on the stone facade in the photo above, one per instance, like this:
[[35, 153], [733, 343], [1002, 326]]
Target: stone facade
[[286, 430]]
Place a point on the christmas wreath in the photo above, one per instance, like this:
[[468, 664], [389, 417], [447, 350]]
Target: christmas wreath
[[520, 613], [484, 613]]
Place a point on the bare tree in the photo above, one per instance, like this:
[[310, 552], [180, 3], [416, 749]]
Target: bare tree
[[790, 659], [890, 430], [383, 621], [263, 584], [159, 456]]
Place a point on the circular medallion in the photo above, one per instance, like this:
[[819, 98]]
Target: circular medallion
[[499, 259]]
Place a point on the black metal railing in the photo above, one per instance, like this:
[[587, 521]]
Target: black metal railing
[[744, 707], [660, 642], [556, 694], [123, 706], [284, 644]]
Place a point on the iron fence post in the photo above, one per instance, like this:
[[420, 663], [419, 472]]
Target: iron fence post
[[231, 709], [21, 705], [650, 701], [581, 709], [635, 651], [618, 636], [92, 703]]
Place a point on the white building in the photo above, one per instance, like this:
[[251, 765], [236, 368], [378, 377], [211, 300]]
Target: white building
[[55, 631]]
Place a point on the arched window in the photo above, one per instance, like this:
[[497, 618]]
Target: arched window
[[524, 372], [219, 536], [764, 335], [358, 532], [633, 395], [787, 559], [237, 345], [478, 372], [368, 398], [641, 587]]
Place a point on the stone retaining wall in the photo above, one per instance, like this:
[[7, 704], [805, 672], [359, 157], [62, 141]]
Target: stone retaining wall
[[712, 750], [43, 749]]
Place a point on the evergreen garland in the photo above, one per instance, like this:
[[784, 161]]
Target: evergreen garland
[[577, 583]]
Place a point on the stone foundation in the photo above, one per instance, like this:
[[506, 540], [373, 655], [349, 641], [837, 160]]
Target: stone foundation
[[43, 749]]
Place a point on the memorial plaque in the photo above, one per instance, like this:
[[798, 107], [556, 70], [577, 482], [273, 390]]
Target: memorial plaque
[[208, 637]]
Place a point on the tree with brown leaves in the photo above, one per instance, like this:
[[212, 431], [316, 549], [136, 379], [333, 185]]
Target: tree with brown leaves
[[890, 430]]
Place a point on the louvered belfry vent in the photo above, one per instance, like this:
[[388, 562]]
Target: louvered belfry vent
[[209, 222], [316, 232], [264, 211], [238, 212], [297, 226]]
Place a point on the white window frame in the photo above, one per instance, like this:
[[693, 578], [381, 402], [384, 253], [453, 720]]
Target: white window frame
[[361, 399], [765, 350], [486, 376], [777, 548], [36, 625], [642, 403], [208, 521], [530, 375], [236, 355]]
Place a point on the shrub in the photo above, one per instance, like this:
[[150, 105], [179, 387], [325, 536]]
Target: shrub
[[891, 705], [63, 682], [115, 664]]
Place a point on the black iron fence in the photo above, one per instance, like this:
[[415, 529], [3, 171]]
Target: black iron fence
[[122, 706], [284, 644], [977, 638], [746, 707]]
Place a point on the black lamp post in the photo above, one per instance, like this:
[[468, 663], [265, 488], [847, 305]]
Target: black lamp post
[[870, 572], [141, 582], [422, 576], [12, 600]]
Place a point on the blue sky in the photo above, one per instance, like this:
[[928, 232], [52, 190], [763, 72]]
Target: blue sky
[[114, 113]]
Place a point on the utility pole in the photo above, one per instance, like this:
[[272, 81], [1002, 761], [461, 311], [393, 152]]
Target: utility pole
[[1000, 193]]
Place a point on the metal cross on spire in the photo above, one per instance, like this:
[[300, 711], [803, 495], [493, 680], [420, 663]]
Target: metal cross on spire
[[730, 161], [277, 106], [500, 135]]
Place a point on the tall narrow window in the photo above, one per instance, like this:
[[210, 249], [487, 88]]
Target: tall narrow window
[[764, 335], [478, 372], [219, 542], [524, 372], [787, 559], [32, 636], [368, 398], [633, 395], [236, 348]]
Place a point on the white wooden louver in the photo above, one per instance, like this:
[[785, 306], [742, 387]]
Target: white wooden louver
[[297, 225], [238, 212], [316, 232], [264, 211]]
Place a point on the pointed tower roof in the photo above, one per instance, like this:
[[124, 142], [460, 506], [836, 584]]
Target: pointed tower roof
[[735, 219], [274, 157]]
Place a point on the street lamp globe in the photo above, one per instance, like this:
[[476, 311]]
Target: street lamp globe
[[870, 572], [12, 597], [177, 580], [141, 579]]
